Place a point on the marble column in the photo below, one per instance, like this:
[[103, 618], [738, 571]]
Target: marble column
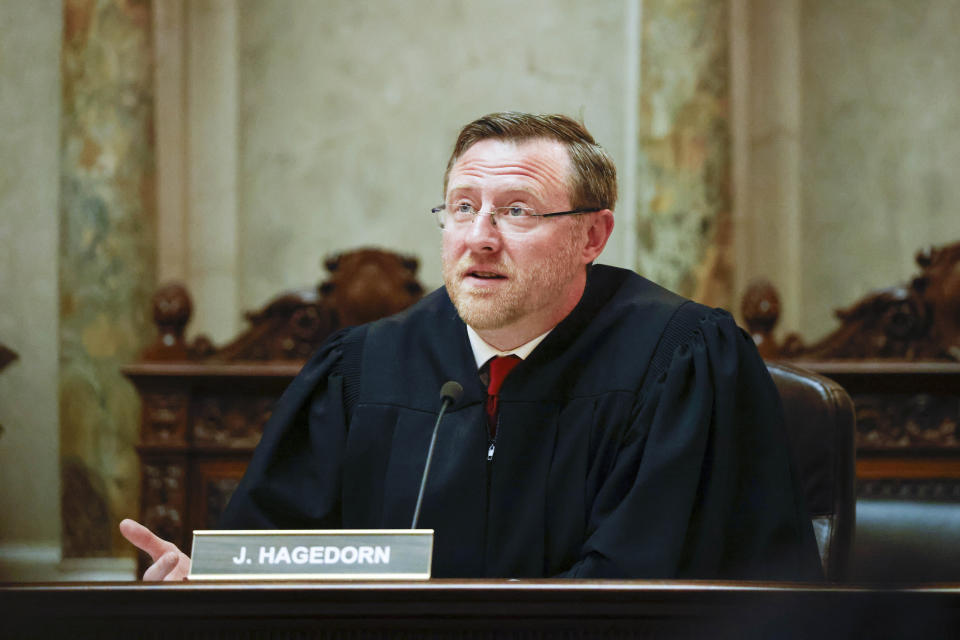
[[683, 183], [198, 142], [29, 430], [107, 261], [768, 221]]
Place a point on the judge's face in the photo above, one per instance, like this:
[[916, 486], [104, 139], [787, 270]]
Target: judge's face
[[498, 279]]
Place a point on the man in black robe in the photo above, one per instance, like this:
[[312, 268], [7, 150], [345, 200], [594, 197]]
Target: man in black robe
[[637, 436]]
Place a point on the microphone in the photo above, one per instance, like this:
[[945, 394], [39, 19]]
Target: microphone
[[450, 394]]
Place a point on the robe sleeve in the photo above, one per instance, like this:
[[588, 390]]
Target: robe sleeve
[[702, 484], [294, 478]]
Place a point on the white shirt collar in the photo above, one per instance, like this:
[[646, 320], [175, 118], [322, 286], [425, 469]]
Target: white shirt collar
[[483, 351]]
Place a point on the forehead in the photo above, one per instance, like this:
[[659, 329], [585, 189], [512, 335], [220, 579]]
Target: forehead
[[540, 166]]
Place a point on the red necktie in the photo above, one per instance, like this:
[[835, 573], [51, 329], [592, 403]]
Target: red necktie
[[500, 367]]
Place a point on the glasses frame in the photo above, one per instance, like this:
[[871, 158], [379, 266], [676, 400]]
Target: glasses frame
[[436, 211]]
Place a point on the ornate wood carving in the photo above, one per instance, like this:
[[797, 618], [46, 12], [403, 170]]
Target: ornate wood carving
[[896, 353], [902, 421], [368, 284], [761, 308], [164, 498], [290, 327], [172, 307], [230, 420], [916, 321], [364, 284], [164, 417]]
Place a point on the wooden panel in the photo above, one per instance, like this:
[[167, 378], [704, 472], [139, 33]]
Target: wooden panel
[[875, 468], [211, 485]]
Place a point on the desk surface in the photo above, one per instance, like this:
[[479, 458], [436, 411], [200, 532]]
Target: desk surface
[[477, 609]]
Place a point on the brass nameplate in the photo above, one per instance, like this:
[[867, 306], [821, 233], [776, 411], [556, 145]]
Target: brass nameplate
[[368, 554]]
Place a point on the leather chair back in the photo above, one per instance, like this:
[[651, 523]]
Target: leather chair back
[[820, 424]]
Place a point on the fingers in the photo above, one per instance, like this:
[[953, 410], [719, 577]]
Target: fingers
[[181, 570], [169, 563], [165, 565], [174, 565], [144, 539]]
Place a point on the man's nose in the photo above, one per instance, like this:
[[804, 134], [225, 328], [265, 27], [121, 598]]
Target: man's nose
[[483, 234]]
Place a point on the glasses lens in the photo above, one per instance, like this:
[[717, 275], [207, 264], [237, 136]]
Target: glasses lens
[[440, 216], [461, 213], [516, 219]]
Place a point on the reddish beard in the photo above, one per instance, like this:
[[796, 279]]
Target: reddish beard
[[521, 293]]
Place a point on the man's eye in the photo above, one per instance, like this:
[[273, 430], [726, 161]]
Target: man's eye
[[515, 211], [463, 208]]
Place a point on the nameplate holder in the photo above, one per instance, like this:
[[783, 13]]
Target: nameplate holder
[[340, 554]]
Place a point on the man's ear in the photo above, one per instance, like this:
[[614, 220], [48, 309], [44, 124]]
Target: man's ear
[[599, 228]]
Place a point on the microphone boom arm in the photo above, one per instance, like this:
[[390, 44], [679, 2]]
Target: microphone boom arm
[[450, 393]]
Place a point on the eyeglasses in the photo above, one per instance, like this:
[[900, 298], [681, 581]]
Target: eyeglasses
[[512, 219]]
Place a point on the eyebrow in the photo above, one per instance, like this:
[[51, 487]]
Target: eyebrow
[[509, 194]]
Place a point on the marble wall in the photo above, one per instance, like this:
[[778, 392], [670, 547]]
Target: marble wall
[[106, 270], [880, 145], [349, 111], [683, 206], [29, 126]]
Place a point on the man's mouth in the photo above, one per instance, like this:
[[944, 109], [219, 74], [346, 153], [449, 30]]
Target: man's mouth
[[485, 275]]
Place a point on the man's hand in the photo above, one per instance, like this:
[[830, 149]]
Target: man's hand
[[169, 563]]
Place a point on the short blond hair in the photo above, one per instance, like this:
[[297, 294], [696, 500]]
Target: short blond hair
[[594, 180]]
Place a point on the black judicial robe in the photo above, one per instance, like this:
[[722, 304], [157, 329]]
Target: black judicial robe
[[642, 438]]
